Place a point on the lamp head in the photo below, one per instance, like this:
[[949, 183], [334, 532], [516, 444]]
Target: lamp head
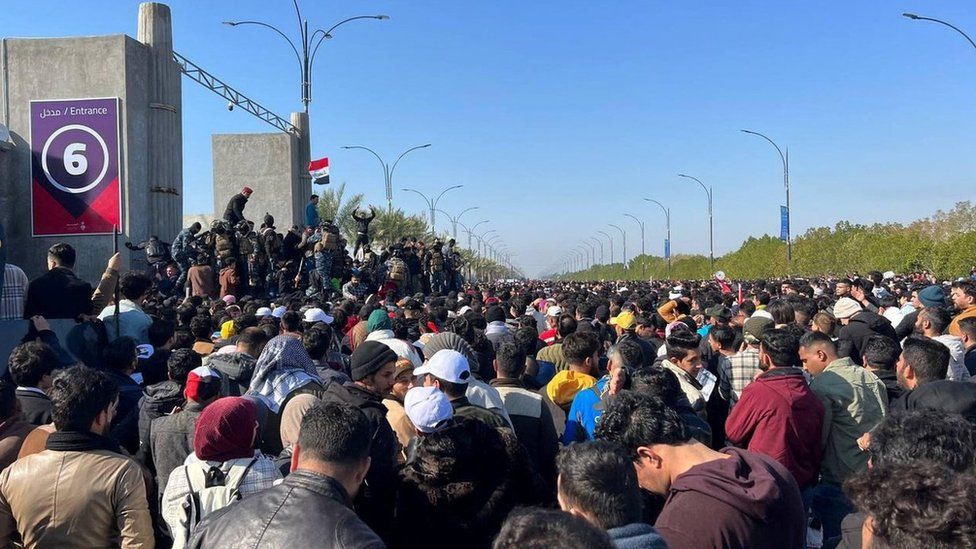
[[230, 23], [910, 16]]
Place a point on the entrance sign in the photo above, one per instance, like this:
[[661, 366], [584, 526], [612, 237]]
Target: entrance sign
[[75, 187]]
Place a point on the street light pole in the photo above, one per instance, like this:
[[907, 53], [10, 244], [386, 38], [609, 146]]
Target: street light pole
[[667, 221], [432, 204], [623, 250], [609, 239], [914, 17], [454, 219], [600, 242], [643, 262], [786, 183], [387, 169], [306, 58], [711, 239]]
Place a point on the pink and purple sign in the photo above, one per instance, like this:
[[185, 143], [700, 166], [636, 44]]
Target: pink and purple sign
[[75, 186]]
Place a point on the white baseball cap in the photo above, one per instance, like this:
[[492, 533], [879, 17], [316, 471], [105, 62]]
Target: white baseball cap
[[262, 312], [428, 408], [316, 314], [279, 312], [446, 364], [554, 310]]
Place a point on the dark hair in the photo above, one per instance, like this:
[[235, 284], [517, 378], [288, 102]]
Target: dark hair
[[30, 362], [631, 353], [928, 357], [817, 339], [781, 346], [62, 254], [682, 342], [598, 478], [527, 340], [633, 420], [546, 528], [510, 360], [253, 339], [945, 438], [316, 341], [657, 382], [180, 363], [78, 395], [723, 335], [967, 325], [586, 309], [336, 433], [881, 352], [566, 325], [160, 332], [8, 399], [968, 287], [201, 328], [133, 285], [291, 321], [747, 307], [120, 354], [763, 297], [918, 504], [938, 317], [579, 346], [781, 311]]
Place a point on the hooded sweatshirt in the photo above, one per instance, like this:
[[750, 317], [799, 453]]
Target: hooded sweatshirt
[[745, 501], [779, 416]]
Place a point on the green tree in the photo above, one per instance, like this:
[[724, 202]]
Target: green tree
[[336, 206], [390, 227]]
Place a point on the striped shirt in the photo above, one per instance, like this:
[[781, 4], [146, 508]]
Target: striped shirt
[[14, 293]]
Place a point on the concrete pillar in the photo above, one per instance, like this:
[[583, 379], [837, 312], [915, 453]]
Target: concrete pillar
[[302, 189], [165, 151]]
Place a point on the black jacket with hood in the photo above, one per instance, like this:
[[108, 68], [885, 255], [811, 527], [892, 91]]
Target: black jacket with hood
[[236, 370], [158, 400], [851, 338], [376, 500], [461, 483], [745, 501]]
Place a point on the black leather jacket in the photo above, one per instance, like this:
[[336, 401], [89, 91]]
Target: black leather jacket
[[306, 510]]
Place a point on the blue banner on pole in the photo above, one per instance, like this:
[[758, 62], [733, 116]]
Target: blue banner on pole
[[667, 249], [784, 223]]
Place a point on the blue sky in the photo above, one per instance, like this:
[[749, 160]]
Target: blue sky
[[558, 116]]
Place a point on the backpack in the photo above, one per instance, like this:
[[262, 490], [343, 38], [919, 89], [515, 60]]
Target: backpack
[[210, 490]]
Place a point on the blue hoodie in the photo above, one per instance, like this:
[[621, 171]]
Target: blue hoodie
[[585, 412]]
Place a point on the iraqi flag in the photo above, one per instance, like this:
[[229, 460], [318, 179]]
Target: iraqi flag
[[319, 170]]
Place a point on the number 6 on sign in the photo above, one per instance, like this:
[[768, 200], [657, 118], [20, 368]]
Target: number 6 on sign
[[75, 163]]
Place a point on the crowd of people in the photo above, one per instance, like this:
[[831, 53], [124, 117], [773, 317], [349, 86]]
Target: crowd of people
[[389, 402]]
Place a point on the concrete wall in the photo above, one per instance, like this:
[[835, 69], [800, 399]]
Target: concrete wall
[[65, 68], [266, 162]]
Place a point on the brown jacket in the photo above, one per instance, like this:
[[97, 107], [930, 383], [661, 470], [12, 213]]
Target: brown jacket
[[65, 499], [201, 279]]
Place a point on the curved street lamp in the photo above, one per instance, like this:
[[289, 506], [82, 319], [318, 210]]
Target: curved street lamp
[[387, 170], [786, 183], [454, 219], [623, 250], [432, 204], [306, 55], [667, 222], [914, 17], [600, 243], [610, 240], [711, 241], [641, 224]]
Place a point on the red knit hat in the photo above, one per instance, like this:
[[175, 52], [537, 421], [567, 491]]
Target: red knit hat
[[247, 190], [225, 430]]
